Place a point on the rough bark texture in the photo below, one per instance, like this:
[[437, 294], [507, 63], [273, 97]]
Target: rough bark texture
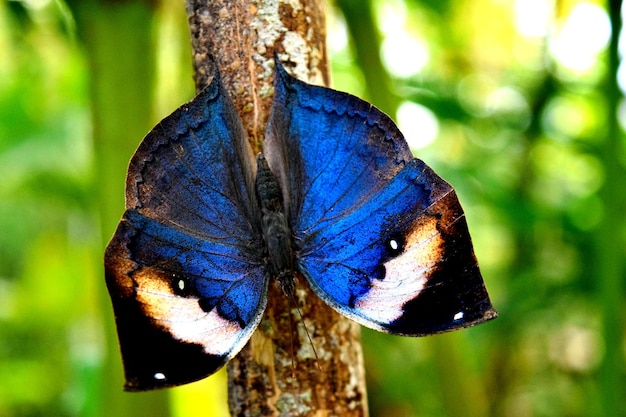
[[242, 36], [277, 372]]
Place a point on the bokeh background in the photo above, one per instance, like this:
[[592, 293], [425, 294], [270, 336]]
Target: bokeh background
[[519, 104]]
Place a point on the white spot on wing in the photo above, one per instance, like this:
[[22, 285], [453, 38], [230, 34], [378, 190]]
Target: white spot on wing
[[393, 244], [459, 315], [406, 274], [159, 376]]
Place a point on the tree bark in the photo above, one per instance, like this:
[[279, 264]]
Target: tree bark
[[277, 373]]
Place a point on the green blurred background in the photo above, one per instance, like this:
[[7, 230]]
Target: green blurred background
[[519, 104]]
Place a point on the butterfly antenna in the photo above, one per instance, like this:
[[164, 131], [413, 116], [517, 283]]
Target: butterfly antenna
[[293, 349], [308, 335]]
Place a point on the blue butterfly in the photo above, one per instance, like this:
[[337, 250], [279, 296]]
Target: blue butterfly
[[337, 197]]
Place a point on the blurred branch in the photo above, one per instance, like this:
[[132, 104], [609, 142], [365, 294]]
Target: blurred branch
[[609, 236], [119, 45], [366, 41]]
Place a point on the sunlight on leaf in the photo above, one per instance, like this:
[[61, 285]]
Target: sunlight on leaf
[[582, 37]]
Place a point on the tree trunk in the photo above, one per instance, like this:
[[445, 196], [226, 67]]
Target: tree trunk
[[277, 373]]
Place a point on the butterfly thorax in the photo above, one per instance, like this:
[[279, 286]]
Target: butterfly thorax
[[276, 232]]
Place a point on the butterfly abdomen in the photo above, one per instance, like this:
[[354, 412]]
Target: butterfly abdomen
[[276, 232]]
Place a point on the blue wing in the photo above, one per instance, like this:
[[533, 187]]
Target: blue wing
[[380, 237], [184, 270]]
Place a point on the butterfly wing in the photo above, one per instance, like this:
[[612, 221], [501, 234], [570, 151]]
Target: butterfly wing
[[381, 237], [186, 282]]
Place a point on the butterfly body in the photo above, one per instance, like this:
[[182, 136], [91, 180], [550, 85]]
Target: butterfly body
[[337, 197], [276, 232]]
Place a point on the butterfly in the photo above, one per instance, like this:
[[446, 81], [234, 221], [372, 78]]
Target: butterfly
[[337, 197]]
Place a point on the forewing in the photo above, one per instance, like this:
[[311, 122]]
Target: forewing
[[195, 169], [183, 269], [380, 236]]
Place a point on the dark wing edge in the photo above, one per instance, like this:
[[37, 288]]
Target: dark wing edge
[[167, 338], [454, 295]]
